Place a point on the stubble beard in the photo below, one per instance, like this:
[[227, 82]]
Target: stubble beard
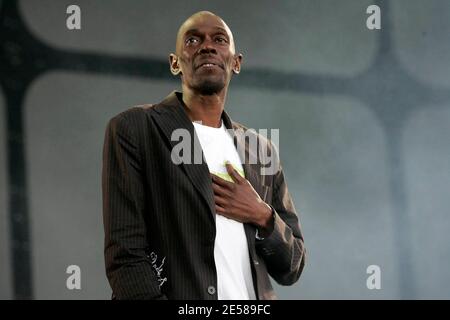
[[209, 87]]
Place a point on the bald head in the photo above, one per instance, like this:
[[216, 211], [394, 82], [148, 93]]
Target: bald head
[[205, 55], [200, 18]]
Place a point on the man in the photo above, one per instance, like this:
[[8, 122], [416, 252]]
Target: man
[[214, 229]]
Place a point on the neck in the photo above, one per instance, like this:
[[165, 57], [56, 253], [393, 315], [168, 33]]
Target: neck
[[205, 108]]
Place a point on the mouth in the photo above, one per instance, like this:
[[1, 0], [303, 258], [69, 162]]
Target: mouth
[[209, 65]]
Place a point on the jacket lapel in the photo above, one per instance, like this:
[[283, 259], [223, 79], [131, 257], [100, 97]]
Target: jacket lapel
[[251, 170], [251, 174], [170, 115]]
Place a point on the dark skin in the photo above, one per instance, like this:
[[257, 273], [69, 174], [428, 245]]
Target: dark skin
[[240, 201], [205, 59]]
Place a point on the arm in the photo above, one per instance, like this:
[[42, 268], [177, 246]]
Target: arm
[[128, 267], [283, 250]]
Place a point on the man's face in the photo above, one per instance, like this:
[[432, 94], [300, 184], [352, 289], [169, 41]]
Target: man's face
[[205, 54]]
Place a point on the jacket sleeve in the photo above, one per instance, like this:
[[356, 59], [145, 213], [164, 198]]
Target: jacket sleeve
[[283, 251], [128, 266]]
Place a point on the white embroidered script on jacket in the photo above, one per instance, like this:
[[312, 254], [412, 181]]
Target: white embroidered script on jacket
[[158, 270]]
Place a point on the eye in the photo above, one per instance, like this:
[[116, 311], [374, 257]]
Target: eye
[[191, 40], [221, 40]]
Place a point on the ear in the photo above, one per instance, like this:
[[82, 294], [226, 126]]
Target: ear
[[237, 63], [174, 65]]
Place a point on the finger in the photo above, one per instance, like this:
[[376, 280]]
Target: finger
[[220, 201], [220, 191], [222, 182], [233, 173], [220, 210], [223, 212]]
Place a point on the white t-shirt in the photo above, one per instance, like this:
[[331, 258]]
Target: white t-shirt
[[234, 276]]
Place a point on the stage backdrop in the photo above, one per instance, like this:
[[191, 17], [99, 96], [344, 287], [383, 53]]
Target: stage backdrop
[[364, 119]]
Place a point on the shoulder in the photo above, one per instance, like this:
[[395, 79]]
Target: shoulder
[[131, 119], [133, 113]]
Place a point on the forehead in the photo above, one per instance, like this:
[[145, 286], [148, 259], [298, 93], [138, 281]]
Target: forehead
[[204, 24]]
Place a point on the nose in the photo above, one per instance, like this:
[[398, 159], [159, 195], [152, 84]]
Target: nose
[[207, 47]]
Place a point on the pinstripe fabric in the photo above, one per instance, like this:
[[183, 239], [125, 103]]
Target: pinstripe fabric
[[159, 217]]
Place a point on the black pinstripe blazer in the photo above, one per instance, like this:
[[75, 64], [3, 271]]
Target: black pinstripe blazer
[[159, 217]]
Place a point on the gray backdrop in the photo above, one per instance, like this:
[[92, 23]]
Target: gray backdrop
[[363, 140]]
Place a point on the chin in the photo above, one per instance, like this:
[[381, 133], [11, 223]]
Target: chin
[[208, 88]]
